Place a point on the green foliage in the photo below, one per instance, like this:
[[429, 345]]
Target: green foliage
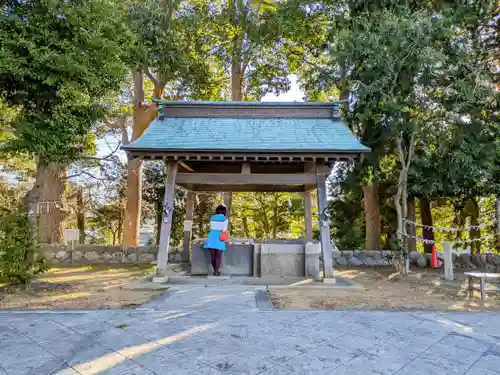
[[347, 221], [153, 193], [172, 49], [247, 44], [263, 215], [408, 68], [204, 208], [108, 220], [20, 258], [58, 60], [20, 166]]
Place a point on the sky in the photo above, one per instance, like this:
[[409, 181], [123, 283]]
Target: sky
[[105, 146]]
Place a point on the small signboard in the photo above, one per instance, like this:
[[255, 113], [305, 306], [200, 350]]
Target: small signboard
[[71, 235], [188, 225]]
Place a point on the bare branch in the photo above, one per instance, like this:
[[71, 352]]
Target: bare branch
[[307, 61], [121, 124], [399, 145], [116, 125], [87, 174], [107, 157]]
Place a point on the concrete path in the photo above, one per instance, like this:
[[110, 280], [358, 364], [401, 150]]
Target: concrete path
[[220, 330]]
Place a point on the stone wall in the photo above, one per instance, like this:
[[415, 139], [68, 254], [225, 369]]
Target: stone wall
[[356, 258], [96, 254], [381, 258]]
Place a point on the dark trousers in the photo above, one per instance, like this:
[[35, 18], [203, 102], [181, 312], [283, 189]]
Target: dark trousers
[[215, 259]]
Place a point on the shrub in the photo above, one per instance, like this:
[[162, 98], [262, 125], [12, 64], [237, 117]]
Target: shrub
[[20, 257]]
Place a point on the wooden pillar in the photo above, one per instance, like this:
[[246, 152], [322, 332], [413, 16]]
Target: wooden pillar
[[308, 215], [188, 226], [166, 224], [324, 225], [498, 221]]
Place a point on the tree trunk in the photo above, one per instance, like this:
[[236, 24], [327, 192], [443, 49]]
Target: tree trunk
[[266, 222], [411, 229], [372, 215], [133, 206], [237, 55], [237, 77], [275, 220], [400, 202], [143, 116], [31, 199], [80, 217], [498, 222], [228, 202], [475, 233], [245, 226], [426, 219], [120, 221], [51, 208]]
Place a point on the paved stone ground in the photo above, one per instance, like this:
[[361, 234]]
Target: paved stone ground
[[220, 330]]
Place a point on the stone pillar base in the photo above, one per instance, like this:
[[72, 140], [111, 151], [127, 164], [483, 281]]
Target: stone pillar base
[[160, 279], [311, 253], [256, 259]]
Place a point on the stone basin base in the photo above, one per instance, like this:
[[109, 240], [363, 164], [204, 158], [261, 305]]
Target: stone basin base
[[277, 259]]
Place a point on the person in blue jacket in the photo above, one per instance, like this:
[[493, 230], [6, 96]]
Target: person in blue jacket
[[218, 224]]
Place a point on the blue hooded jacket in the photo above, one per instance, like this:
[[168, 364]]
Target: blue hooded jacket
[[213, 241]]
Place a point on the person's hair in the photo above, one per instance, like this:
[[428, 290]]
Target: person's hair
[[220, 210]]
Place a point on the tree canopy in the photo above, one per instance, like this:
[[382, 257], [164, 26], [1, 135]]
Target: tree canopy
[[58, 62], [417, 80]]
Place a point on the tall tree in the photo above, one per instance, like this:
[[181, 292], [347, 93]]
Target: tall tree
[[251, 49], [170, 52], [153, 195], [329, 73], [391, 90], [58, 59]]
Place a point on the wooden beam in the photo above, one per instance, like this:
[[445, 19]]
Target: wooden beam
[[310, 168], [246, 168], [243, 179], [207, 188], [166, 223], [250, 155], [186, 167], [250, 110]]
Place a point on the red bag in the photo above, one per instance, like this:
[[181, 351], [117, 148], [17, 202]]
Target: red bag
[[224, 236]]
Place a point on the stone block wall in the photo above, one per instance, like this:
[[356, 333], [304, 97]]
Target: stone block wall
[[98, 254], [356, 258], [381, 258]]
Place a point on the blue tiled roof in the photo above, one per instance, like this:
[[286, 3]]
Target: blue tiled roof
[[301, 134]]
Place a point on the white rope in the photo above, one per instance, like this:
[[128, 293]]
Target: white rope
[[432, 242], [446, 229]]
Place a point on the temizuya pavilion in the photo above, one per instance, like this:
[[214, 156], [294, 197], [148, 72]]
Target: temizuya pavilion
[[246, 147]]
